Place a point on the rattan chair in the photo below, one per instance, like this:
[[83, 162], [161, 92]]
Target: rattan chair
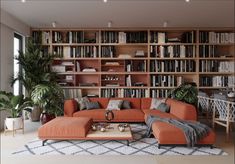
[[223, 112], [204, 104]]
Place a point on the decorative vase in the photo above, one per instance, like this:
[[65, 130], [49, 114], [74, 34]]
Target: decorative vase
[[45, 117], [109, 115]]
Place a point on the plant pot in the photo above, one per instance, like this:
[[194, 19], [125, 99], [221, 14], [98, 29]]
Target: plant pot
[[45, 117], [35, 114], [14, 123]]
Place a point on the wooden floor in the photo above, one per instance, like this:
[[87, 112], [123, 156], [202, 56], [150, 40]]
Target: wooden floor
[[10, 144]]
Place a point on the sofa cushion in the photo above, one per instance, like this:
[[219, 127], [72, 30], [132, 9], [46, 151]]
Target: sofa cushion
[[128, 115], [146, 103], [82, 102], [158, 113], [114, 105], [167, 133], [156, 102], [182, 110], [163, 107], [126, 104], [102, 101], [135, 102], [92, 105], [96, 114]]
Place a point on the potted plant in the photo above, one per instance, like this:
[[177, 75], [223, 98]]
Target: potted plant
[[14, 105], [36, 69], [186, 92], [50, 98]]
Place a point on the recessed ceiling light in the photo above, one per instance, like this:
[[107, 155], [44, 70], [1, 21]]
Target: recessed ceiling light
[[23, 1], [187, 0], [105, 1]]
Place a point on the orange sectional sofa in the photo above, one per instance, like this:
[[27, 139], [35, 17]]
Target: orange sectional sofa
[[165, 133]]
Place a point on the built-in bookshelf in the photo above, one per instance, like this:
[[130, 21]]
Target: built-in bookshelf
[[139, 62]]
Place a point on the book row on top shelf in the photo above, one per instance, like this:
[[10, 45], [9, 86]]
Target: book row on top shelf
[[130, 36]]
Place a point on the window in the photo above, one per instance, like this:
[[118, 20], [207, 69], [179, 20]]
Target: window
[[18, 46]]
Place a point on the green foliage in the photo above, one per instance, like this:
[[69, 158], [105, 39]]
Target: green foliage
[[49, 97], [186, 92], [36, 67], [14, 104]]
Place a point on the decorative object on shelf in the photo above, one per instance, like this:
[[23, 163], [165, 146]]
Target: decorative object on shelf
[[50, 98], [109, 115], [186, 92], [14, 105]]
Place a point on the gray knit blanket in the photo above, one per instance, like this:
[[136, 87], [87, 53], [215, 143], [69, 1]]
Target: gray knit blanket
[[193, 131]]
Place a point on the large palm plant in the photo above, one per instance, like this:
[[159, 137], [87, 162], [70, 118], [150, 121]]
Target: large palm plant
[[35, 67], [49, 97]]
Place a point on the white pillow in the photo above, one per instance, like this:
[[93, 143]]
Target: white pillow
[[156, 102], [114, 105]]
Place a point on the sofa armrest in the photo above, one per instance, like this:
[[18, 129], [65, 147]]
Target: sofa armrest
[[182, 110], [70, 107]]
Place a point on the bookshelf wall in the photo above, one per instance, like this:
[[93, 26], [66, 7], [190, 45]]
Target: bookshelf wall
[[139, 62]]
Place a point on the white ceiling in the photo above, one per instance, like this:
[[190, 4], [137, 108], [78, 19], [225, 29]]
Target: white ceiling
[[123, 13]]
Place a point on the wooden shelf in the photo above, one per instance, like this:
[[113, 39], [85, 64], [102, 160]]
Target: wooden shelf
[[192, 45]]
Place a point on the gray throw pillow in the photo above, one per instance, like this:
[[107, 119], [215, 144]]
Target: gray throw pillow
[[114, 105], [156, 102], [92, 105], [82, 102], [126, 104], [163, 107]]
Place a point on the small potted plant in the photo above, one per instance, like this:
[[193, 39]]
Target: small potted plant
[[50, 98], [14, 105]]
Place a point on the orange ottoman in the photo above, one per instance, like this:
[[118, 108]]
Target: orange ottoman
[[168, 134], [68, 128]]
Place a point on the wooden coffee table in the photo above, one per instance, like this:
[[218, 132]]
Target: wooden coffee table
[[111, 133]]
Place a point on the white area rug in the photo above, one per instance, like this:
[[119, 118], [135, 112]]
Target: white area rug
[[140, 146]]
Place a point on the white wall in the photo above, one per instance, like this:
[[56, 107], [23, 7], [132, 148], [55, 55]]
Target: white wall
[[8, 26]]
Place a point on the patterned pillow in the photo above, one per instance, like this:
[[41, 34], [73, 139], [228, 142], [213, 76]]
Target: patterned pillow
[[92, 105], [159, 104], [156, 102], [82, 102], [114, 105]]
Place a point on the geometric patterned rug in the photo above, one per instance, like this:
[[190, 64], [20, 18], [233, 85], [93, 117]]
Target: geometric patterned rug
[[139, 146]]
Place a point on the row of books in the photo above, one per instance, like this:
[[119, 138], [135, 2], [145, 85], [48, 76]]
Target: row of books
[[162, 37], [124, 37], [166, 80], [172, 66], [76, 52], [217, 81], [156, 93], [108, 51], [216, 37], [208, 51], [122, 92], [216, 66], [136, 66], [74, 37], [172, 51], [72, 93]]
